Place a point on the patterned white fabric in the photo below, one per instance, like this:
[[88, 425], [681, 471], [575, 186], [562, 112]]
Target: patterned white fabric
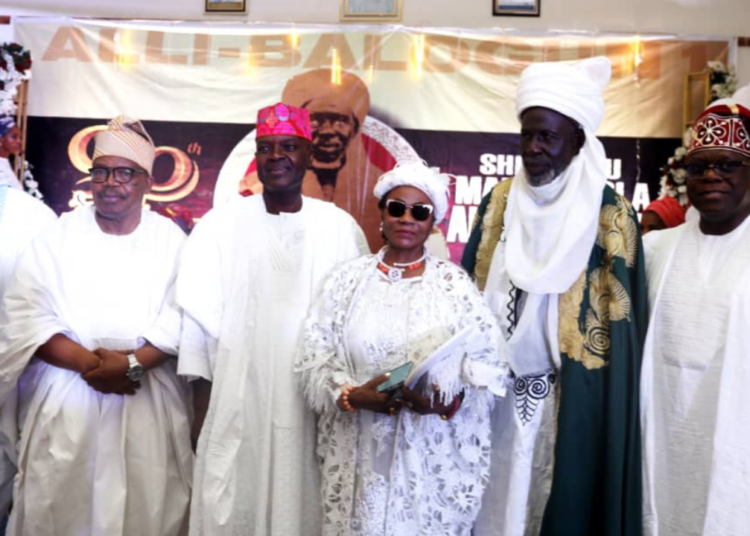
[[90, 463], [246, 281], [523, 423], [407, 474], [694, 386]]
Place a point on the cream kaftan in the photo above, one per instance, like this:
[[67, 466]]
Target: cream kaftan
[[91, 464], [695, 378], [245, 283], [407, 474]]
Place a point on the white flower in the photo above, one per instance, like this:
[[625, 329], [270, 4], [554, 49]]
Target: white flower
[[680, 153]]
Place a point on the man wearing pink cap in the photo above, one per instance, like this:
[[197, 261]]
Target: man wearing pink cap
[[696, 375], [248, 275]]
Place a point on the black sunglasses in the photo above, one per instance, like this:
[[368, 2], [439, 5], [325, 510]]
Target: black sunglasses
[[698, 169], [419, 211], [122, 175]]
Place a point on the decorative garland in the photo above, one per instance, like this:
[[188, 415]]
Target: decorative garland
[[15, 67], [723, 82]]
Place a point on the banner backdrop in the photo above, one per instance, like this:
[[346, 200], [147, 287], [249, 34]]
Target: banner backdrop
[[377, 95]]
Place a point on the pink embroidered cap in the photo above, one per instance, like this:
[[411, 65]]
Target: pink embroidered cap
[[721, 127], [283, 120]]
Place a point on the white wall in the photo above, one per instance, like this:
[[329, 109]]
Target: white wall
[[688, 17]]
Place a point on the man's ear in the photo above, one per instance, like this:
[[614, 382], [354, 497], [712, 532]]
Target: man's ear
[[580, 139]]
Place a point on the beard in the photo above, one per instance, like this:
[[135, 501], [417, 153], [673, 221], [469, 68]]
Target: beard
[[542, 178]]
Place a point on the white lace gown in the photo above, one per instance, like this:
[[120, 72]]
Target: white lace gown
[[406, 474]]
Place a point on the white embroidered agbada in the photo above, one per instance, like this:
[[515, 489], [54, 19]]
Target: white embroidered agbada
[[406, 474], [22, 218], [549, 234], [695, 377], [246, 281], [89, 463]]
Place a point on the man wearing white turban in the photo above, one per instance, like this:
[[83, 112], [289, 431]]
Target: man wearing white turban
[[90, 334], [559, 257]]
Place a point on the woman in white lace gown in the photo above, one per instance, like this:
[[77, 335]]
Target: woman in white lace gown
[[415, 463]]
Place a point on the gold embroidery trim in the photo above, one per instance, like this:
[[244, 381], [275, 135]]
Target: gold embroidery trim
[[608, 298], [492, 229]]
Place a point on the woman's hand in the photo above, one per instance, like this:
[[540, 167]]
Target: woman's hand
[[368, 397], [423, 404]]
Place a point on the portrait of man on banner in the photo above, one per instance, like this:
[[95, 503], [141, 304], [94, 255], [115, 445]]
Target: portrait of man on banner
[[350, 149]]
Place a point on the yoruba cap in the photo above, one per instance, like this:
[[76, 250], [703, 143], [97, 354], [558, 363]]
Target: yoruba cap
[[314, 90], [283, 120], [127, 138], [669, 210], [721, 127]]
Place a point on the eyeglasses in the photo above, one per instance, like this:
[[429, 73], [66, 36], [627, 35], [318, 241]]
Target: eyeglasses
[[699, 169], [122, 175], [419, 211]]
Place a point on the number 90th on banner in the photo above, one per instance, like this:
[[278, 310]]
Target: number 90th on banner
[[179, 185]]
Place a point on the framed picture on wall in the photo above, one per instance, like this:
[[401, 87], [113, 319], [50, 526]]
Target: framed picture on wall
[[371, 10], [516, 8], [226, 6]]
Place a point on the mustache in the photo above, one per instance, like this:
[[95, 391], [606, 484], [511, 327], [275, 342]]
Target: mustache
[[110, 192]]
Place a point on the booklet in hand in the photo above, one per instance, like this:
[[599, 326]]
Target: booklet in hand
[[452, 348]]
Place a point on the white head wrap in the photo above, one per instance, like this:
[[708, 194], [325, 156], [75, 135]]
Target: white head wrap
[[550, 230], [416, 174], [126, 138]]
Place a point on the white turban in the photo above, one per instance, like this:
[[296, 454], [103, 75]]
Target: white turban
[[551, 229], [416, 174], [572, 90], [126, 138]]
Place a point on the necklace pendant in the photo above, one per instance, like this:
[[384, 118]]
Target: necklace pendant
[[395, 274]]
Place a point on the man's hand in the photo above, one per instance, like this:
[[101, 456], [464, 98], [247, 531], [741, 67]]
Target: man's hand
[[368, 397], [110, 377]]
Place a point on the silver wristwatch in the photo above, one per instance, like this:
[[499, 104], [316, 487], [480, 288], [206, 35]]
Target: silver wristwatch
[[135, 369]]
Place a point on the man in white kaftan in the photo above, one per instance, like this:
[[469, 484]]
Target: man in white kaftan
[[22, 218], [247, 276], [696, 364], [557, 253], [102, 452]]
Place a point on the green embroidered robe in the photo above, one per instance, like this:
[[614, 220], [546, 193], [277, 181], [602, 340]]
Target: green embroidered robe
[[596, 481]]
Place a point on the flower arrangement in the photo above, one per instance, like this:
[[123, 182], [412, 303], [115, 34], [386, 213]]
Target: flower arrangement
[[674, 175], [15, 67], [723, 80]]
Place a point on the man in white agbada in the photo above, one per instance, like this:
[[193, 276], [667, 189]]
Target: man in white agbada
[[559, 257], [246, 280], [21, 219], [696, 364], [89, 334]]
